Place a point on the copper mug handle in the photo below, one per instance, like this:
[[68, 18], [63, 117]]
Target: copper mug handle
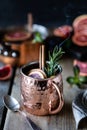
[[61, 101]]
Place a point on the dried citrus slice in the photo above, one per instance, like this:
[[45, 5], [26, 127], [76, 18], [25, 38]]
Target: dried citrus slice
[[5, 72], [37, 74]]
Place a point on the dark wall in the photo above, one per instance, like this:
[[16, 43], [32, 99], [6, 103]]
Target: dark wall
[[45, 12]]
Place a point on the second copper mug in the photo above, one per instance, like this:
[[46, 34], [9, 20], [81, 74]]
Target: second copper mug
[[41, 96]]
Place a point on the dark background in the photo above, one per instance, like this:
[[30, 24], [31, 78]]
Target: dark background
[[45, 12]]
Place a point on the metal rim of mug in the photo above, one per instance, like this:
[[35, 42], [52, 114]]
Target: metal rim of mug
[[36, 62]]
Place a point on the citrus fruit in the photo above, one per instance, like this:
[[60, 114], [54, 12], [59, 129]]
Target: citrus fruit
[[5, 72], [80, 30], [37, 74], [63, 31], [17, 36]]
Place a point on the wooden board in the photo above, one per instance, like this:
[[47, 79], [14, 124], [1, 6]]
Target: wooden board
[[61, 121], [4, 89]]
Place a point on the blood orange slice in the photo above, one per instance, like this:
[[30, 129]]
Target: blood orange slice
[[5, 72], [79, 21], [80, 30], [17, 36], [63, 31]]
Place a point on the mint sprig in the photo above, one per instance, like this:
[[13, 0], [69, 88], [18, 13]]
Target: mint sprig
[[37, 38], [76, 79]]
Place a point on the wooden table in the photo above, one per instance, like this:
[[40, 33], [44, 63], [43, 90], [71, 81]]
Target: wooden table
[[5, 88], [64, 120]]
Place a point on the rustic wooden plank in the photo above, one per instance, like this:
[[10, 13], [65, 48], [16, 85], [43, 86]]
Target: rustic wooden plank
[[61, 121], [5, 88]]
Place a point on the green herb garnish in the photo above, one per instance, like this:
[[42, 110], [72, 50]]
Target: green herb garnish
[[52, 64], [76, 79], [37, 38]]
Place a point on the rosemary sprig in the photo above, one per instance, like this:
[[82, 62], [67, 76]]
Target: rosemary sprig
[[52, 64], [51, 67]]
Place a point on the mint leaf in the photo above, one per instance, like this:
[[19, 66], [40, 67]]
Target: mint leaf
[[76, 70]]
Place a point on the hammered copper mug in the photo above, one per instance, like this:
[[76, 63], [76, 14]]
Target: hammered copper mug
[[41, 96]]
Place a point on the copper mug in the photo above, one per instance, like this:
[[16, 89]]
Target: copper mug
[[41, 96]]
